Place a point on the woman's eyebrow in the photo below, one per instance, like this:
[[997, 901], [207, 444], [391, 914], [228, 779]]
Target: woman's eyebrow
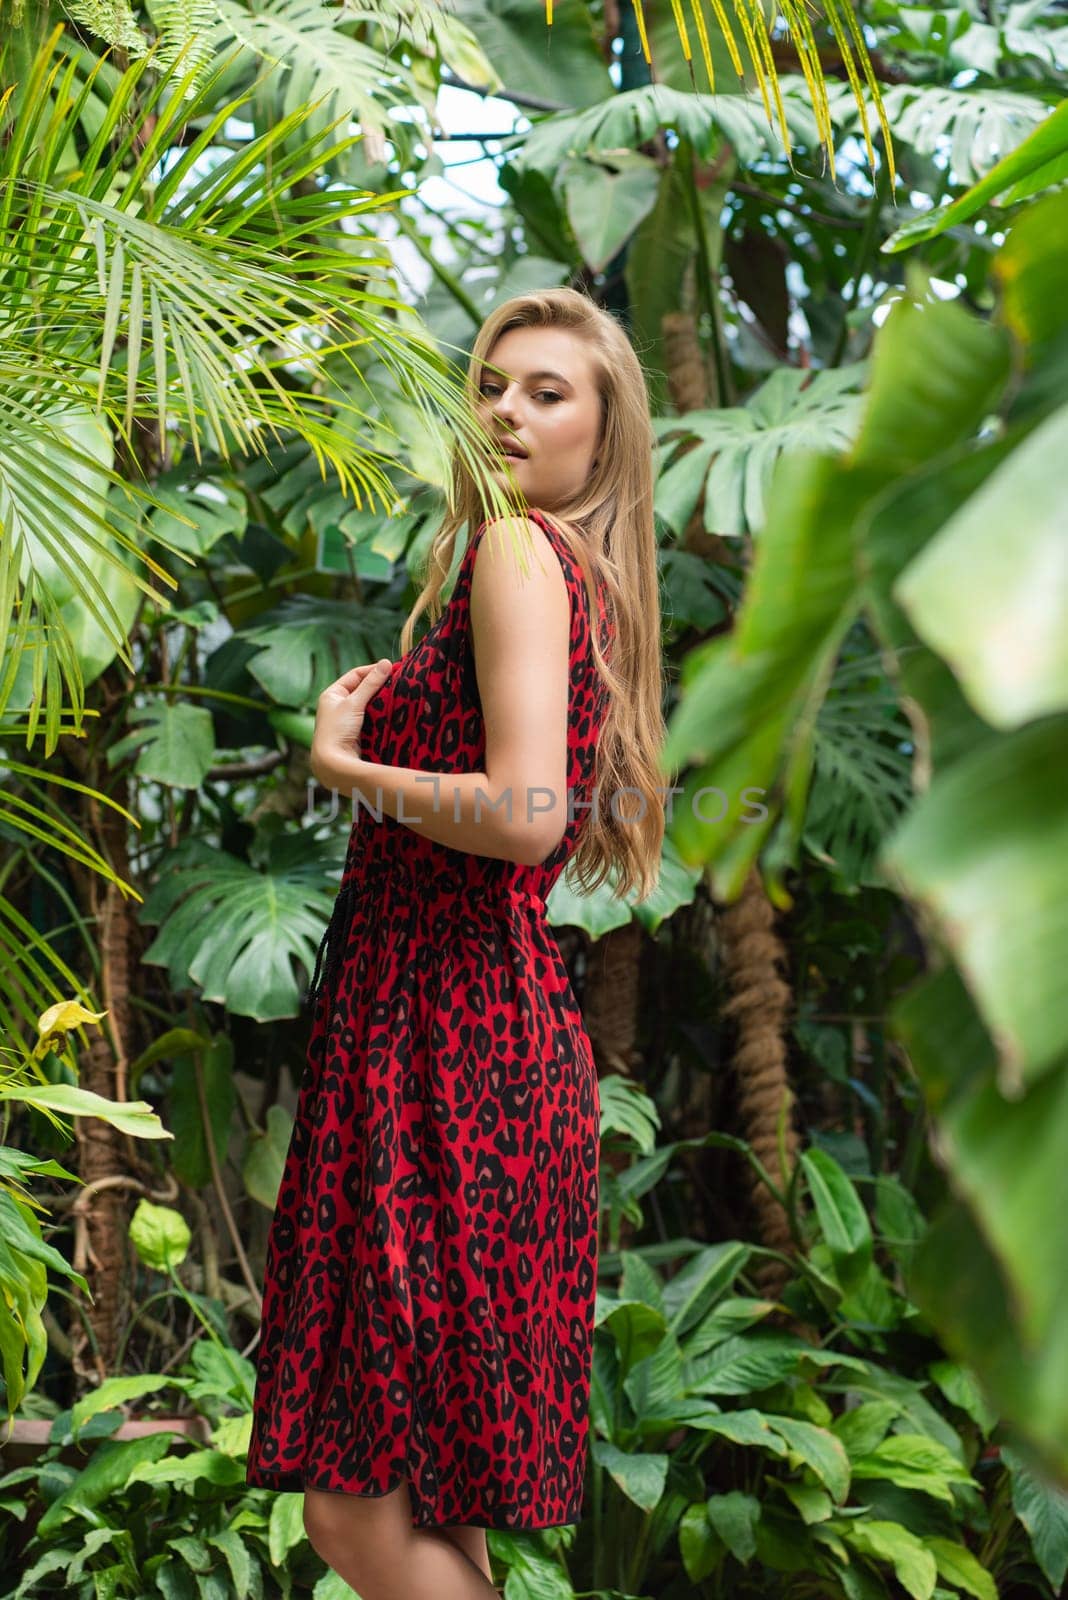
[[556, 377]]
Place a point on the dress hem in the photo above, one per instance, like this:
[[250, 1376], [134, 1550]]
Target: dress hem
[[290, 1485]]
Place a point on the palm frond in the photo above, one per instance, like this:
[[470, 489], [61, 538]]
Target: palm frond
[[112, 21], [182, 31], [316, 59], [849, 45], [217, 300]]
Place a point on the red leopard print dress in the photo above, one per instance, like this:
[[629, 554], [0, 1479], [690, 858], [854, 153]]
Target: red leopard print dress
[[432, 1261]]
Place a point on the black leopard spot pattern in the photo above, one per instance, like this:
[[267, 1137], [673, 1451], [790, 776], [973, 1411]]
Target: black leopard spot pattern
[[432, 1260]]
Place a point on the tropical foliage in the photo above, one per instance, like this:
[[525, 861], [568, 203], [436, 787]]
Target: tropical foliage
[[832, 1044]]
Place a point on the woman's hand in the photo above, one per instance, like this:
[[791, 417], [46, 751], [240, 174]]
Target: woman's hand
[[339, 715]]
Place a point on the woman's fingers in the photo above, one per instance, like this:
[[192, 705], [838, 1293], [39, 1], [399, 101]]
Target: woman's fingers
[[373, 674]]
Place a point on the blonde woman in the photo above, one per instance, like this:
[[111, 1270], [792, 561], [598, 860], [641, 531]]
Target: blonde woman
[[423, 1370]]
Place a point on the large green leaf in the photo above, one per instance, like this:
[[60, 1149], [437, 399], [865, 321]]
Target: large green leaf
[[1043, 1509], [819, 1449], [750, 700], [958, 1566], [701, 1281], [564, 66], [175, 745], [600, 910], [1005, 633], [214, 1086], [640, 1477], [731, 453], [748, 1427], [734, 1517], [212, 510], [842, 1218], [914, 1462], [606, 199], [1041, 160], [973, 126], [914, 1565], [628, 120], [235, 932], [265, 1155], [307, 642], [959, 1284], [862, 768], [81, 584], [739, 1366], [985, 852]]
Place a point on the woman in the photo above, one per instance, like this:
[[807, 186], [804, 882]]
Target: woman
[[424, 1365]]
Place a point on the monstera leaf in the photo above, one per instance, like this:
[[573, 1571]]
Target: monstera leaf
[[600, 911], [737, 447], [177, 743], [628, 120], [308, 642], [233, 929]]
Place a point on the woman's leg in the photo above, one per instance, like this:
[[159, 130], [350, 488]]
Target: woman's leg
[[472, 1541], [372, 1545]]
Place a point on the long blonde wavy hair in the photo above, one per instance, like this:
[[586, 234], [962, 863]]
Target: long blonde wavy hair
[[609, 526]]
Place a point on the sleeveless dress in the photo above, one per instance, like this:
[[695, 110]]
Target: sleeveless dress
[[431, 1264]]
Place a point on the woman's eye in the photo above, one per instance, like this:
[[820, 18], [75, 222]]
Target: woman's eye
[[543, 394]]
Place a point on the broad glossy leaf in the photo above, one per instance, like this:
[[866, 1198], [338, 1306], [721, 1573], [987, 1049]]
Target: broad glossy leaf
[[655, 1384], [564, 64], [737, 447], [1037, 161], [1005, 632], [819, 1449], [160, 1235], [974, 125], [604, 206], [960, 1388], [265, 1155], [842, 1218], [1042, 1507], [599, 910], [914, 1461], [997, 887], [863, 1427], [815, 1505], [888, 1541], [640, 1477], [196, 520], [307, 642], [701, 1282], [234, 931], [959, 1283], [192, 1152], [630, 118], [135, 1117], [175, 743], [958, 1566], [748, 1427], [734, 1517]]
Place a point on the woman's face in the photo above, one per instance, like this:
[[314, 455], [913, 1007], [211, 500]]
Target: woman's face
[[547, 405]]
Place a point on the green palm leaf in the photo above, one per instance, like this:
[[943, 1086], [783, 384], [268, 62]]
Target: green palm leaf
[[755, 44], [220, 300]]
